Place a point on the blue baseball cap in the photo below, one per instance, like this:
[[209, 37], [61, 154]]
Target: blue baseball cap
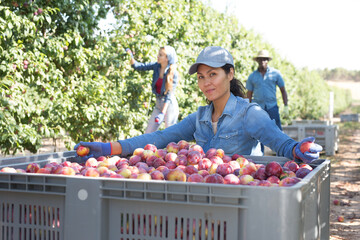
[[212, 56]]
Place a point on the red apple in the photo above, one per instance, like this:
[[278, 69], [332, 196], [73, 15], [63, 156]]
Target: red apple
[[170, 156], [260, 174], [287, 163], [101, 158], [227, 158], [144, 176], [224, 169], [183, 144], [150, 161], [212, 168], [8, 170], [116, 176], [161, 153], [157, 175], [289, 181], [231, 179], [293, 167], [249, 169], [204, 164], [171, 165], [203, 173], [210, 153], [286, 174], [91, 162], [146, 154], [195, 177], [172, 147], [220, 153], [242, 161], [138, 151], [302, 172], [183, 152], [19, 170], [44, 170], [196, 147], [165, 170], [235, 156], [336, 202], [134, 159], [235, 165], [304, 165], [176, 175], [340, 219], [273, 179], [305, 147], [214, 178], [142, 165], [158, 162], [32, 168], [193, 157], [125, 172], [217, 160], [190, 169], [264, 183], [245, 179], [273, 169], [181, 160], [151, 147], [82, 151], [69, 171], [133, 169]]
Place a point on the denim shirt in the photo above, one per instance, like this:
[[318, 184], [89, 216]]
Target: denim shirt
[[239, 128], [156, 68], [264, 88]]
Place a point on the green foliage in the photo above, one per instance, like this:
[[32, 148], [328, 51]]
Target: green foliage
[[62, 77]]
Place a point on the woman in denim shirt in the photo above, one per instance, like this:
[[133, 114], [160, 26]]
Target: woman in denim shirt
[[228, 122], [165, 79]]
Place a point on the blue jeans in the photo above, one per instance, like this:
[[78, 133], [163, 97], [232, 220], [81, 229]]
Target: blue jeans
[[274, 115], [171, 115]]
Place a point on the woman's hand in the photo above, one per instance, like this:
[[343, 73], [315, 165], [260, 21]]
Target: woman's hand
[[97, 149], [307, 150], [128, 51], [159, 118]]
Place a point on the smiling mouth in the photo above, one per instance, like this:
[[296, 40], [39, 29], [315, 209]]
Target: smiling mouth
[[210, 90]]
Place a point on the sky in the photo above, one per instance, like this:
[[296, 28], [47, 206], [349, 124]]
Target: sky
[[316, 34]]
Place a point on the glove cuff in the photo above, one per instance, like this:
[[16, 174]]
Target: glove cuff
[[106, 148]]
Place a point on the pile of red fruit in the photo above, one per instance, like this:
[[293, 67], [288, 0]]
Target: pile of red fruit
[[180, 161]]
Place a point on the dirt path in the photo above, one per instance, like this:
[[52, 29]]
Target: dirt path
[[345, 186]]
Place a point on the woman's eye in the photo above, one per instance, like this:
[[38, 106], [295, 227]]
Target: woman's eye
[[212, 74]]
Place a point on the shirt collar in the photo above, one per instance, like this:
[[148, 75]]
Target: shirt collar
[[228, 110]]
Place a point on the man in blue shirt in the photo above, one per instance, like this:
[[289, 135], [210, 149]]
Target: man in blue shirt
[[261, 86]]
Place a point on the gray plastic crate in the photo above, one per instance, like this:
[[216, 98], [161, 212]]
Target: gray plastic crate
[[310, 122], [41, 206], [326, 135], [349, 117]]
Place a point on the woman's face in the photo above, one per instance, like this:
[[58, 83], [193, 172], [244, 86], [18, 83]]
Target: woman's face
[[162, 58], [214, 82]]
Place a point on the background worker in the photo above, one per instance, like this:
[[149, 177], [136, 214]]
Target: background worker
[[164, 82], [261, 86]]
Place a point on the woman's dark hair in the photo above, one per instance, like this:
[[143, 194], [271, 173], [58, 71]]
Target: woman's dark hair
[[236, 87]]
